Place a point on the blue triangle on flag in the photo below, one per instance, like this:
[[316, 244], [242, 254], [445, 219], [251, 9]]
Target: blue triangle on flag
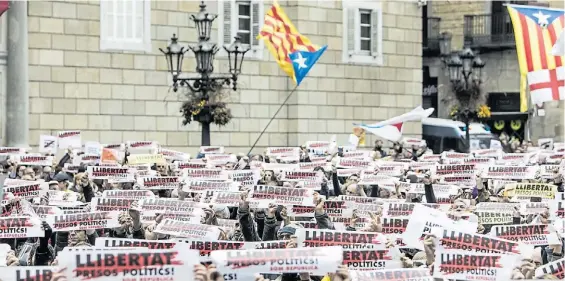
[[302, 62], [540, 15]]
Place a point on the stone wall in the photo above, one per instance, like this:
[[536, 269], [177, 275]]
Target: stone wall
[[115, 97]]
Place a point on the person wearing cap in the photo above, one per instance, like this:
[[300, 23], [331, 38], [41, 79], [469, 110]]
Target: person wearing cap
[[62, 181]]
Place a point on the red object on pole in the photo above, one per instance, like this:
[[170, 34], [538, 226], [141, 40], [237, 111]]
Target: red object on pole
[[4, 6]]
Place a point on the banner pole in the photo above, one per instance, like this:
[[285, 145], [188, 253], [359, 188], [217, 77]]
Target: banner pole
[[275, 115]]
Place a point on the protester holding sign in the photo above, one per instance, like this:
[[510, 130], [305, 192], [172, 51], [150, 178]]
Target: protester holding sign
[[485, 215]]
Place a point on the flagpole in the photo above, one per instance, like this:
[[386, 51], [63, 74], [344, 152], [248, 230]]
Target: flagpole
[[275, 115]]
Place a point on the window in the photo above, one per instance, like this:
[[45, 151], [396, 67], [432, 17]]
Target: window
[[365, 35], [125, 25], [244, 19], [362, 29]]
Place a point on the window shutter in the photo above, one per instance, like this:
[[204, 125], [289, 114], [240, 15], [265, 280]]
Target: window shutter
[[375, 18], [227, 21], [107, 25], [351, 27], [255, 23]]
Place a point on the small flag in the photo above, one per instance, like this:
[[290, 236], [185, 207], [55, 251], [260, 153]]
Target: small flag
[[536, 30], [294, 52]]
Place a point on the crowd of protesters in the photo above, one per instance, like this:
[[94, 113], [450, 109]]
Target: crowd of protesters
[[244, 222]]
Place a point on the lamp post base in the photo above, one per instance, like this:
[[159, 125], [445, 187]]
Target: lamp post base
[[205, 134]]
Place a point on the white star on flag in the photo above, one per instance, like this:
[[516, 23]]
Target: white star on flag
[[300, 61], [542, 18]]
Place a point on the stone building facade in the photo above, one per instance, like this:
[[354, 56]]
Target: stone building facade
[[120, 95], [488, 19]]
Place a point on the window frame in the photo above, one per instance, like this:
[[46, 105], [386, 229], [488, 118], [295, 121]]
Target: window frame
[[245, 17], [122, 45], [358, 56], [360, 38], [256, 51]]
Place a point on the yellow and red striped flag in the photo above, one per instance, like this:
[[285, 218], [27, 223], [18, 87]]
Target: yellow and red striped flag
[[293, 51], [536, 30]]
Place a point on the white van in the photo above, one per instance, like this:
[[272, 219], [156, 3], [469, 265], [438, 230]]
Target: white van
[[444, 135]]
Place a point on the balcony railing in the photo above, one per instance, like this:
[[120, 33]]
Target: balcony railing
[[431, 34], [489, 31]]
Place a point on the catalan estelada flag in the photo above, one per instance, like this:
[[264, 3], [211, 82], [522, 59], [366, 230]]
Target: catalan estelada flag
[[536, 30], [293, 51]]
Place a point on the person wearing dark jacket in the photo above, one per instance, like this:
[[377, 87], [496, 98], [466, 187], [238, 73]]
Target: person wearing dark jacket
[[429, 190]]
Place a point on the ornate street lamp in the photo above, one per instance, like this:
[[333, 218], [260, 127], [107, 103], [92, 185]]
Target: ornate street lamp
[[206, 85], [465, 69]]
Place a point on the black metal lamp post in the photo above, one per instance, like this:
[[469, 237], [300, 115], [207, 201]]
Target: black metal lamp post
[[204, 52], [465, 74]]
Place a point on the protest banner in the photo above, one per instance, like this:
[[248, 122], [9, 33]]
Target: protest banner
[[369, 259], [454, 169], [347, 172], [496, 207], [69, 139], [230, 199], [396, 225], [346, 239], [333, 208], [390, 170], [396, 274], [276, 151], [107, 242], [202, 186], [455, 239], [170, 206], [179, 166], [206, 174], [266, 245], [529, 234], [205, 247], [111, 204], [211, 149], [86, 159], [281, 195], [63, 198], [372, 178], [244, 178], [173, 155], [557, 206], [424, 220], [30, 273], [394, 209], [509, 172], [150, 217], [20, 227], [27, 190], [84, 221], [555, 268], [187, 230], [316, 261], [293, 176], [349, 163], [136, 159], [529, 190], [533, 208], [131, 264], [11, 150], [44, 211], [34, 160], [495, 217], [463, 265], [158, 183], [461, 180], [117, 174], [128, 194]]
